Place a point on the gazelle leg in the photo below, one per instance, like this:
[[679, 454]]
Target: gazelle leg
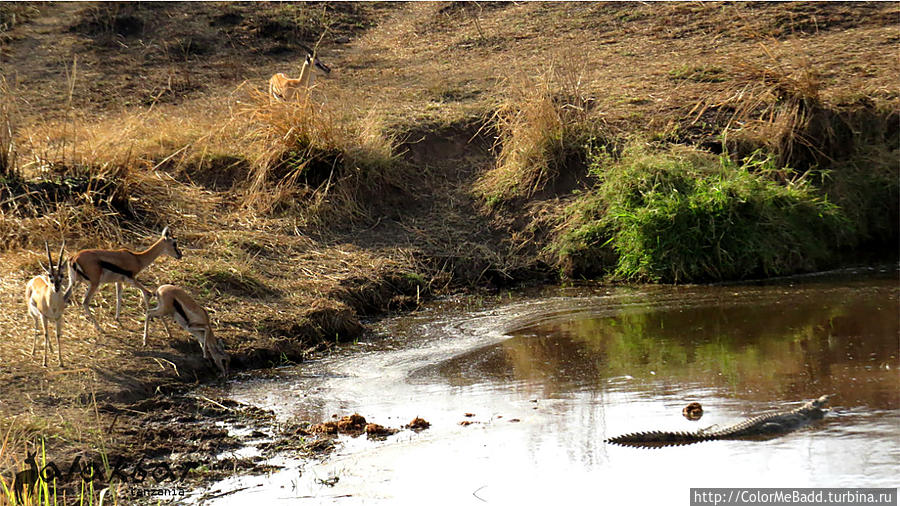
[[46, 339], [146, 326], [92, 289], [59, 346], [156, 312], [146, 296], [33, 312], [201, 336], [37, 333], [168, 332], [49, 342]]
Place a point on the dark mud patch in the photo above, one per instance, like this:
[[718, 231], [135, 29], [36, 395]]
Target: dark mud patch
[[198, 438], [187, 426]]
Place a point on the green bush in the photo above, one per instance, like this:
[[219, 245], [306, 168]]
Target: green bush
[[681, 215]]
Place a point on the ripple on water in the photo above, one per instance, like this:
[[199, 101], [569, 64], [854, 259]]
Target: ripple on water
[[547, 379]]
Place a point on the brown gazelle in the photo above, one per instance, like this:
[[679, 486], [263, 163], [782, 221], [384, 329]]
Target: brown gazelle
[[46, 302], [282, 87], [192, 317], [102, 266]]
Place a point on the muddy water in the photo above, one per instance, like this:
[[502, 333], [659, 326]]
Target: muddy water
[[546, 378]]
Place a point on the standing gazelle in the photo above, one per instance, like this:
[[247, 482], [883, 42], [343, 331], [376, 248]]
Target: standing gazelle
[[46, 301], [192, 317], [102, 266], [282, 87]]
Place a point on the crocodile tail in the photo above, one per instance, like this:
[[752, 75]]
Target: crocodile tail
[[657, 439]]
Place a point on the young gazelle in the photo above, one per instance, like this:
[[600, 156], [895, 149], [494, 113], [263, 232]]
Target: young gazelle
[[102, 266], [190, 316], [46, 302], [282, 87]]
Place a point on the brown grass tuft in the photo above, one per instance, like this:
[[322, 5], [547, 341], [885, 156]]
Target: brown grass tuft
[[311, 158], [540, 122], [774, 104], [8, 152]]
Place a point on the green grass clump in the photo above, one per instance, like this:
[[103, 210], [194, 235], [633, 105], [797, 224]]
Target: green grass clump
[[867, 189], [698, 73], [680, 215]]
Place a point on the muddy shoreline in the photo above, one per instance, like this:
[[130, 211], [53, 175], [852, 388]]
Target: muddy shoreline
[[154, 434]]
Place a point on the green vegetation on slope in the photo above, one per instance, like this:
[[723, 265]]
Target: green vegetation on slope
[[678, 214]]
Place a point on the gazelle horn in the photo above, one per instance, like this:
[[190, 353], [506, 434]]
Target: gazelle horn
[[49, 268], [62, 251]]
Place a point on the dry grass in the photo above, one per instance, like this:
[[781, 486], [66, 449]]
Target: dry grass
[[312, 158], [8, 150], [540, 123], [771, 106]]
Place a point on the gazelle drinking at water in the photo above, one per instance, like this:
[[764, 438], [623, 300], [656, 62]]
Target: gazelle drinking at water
[[283, 88], [102, 266], [46, 301], [192, 317]]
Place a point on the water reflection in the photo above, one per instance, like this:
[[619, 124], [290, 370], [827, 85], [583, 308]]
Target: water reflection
[[549, 378], [758, 343]]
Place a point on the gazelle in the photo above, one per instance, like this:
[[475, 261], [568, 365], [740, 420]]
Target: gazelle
[[46, 301], [282, 87], [102, 266], [192, 317]]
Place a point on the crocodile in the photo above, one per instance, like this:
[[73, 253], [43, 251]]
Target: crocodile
[[759, 427]]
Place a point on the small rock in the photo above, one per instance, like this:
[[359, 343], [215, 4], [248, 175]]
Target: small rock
[[693, 411], [418, 424]]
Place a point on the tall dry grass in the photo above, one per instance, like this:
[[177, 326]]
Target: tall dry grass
[[309, 158], [541, 121], [99, 182], [314, 158], [775, 105], [8, 152]]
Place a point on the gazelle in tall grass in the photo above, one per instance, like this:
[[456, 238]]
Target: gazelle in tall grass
[[46, 302], [102, 266], [192, 317], [282, 87]]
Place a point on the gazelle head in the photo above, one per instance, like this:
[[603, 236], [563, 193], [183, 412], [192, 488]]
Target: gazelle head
[[170, 244], [314, 61], [54, 272], [219, 356]]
